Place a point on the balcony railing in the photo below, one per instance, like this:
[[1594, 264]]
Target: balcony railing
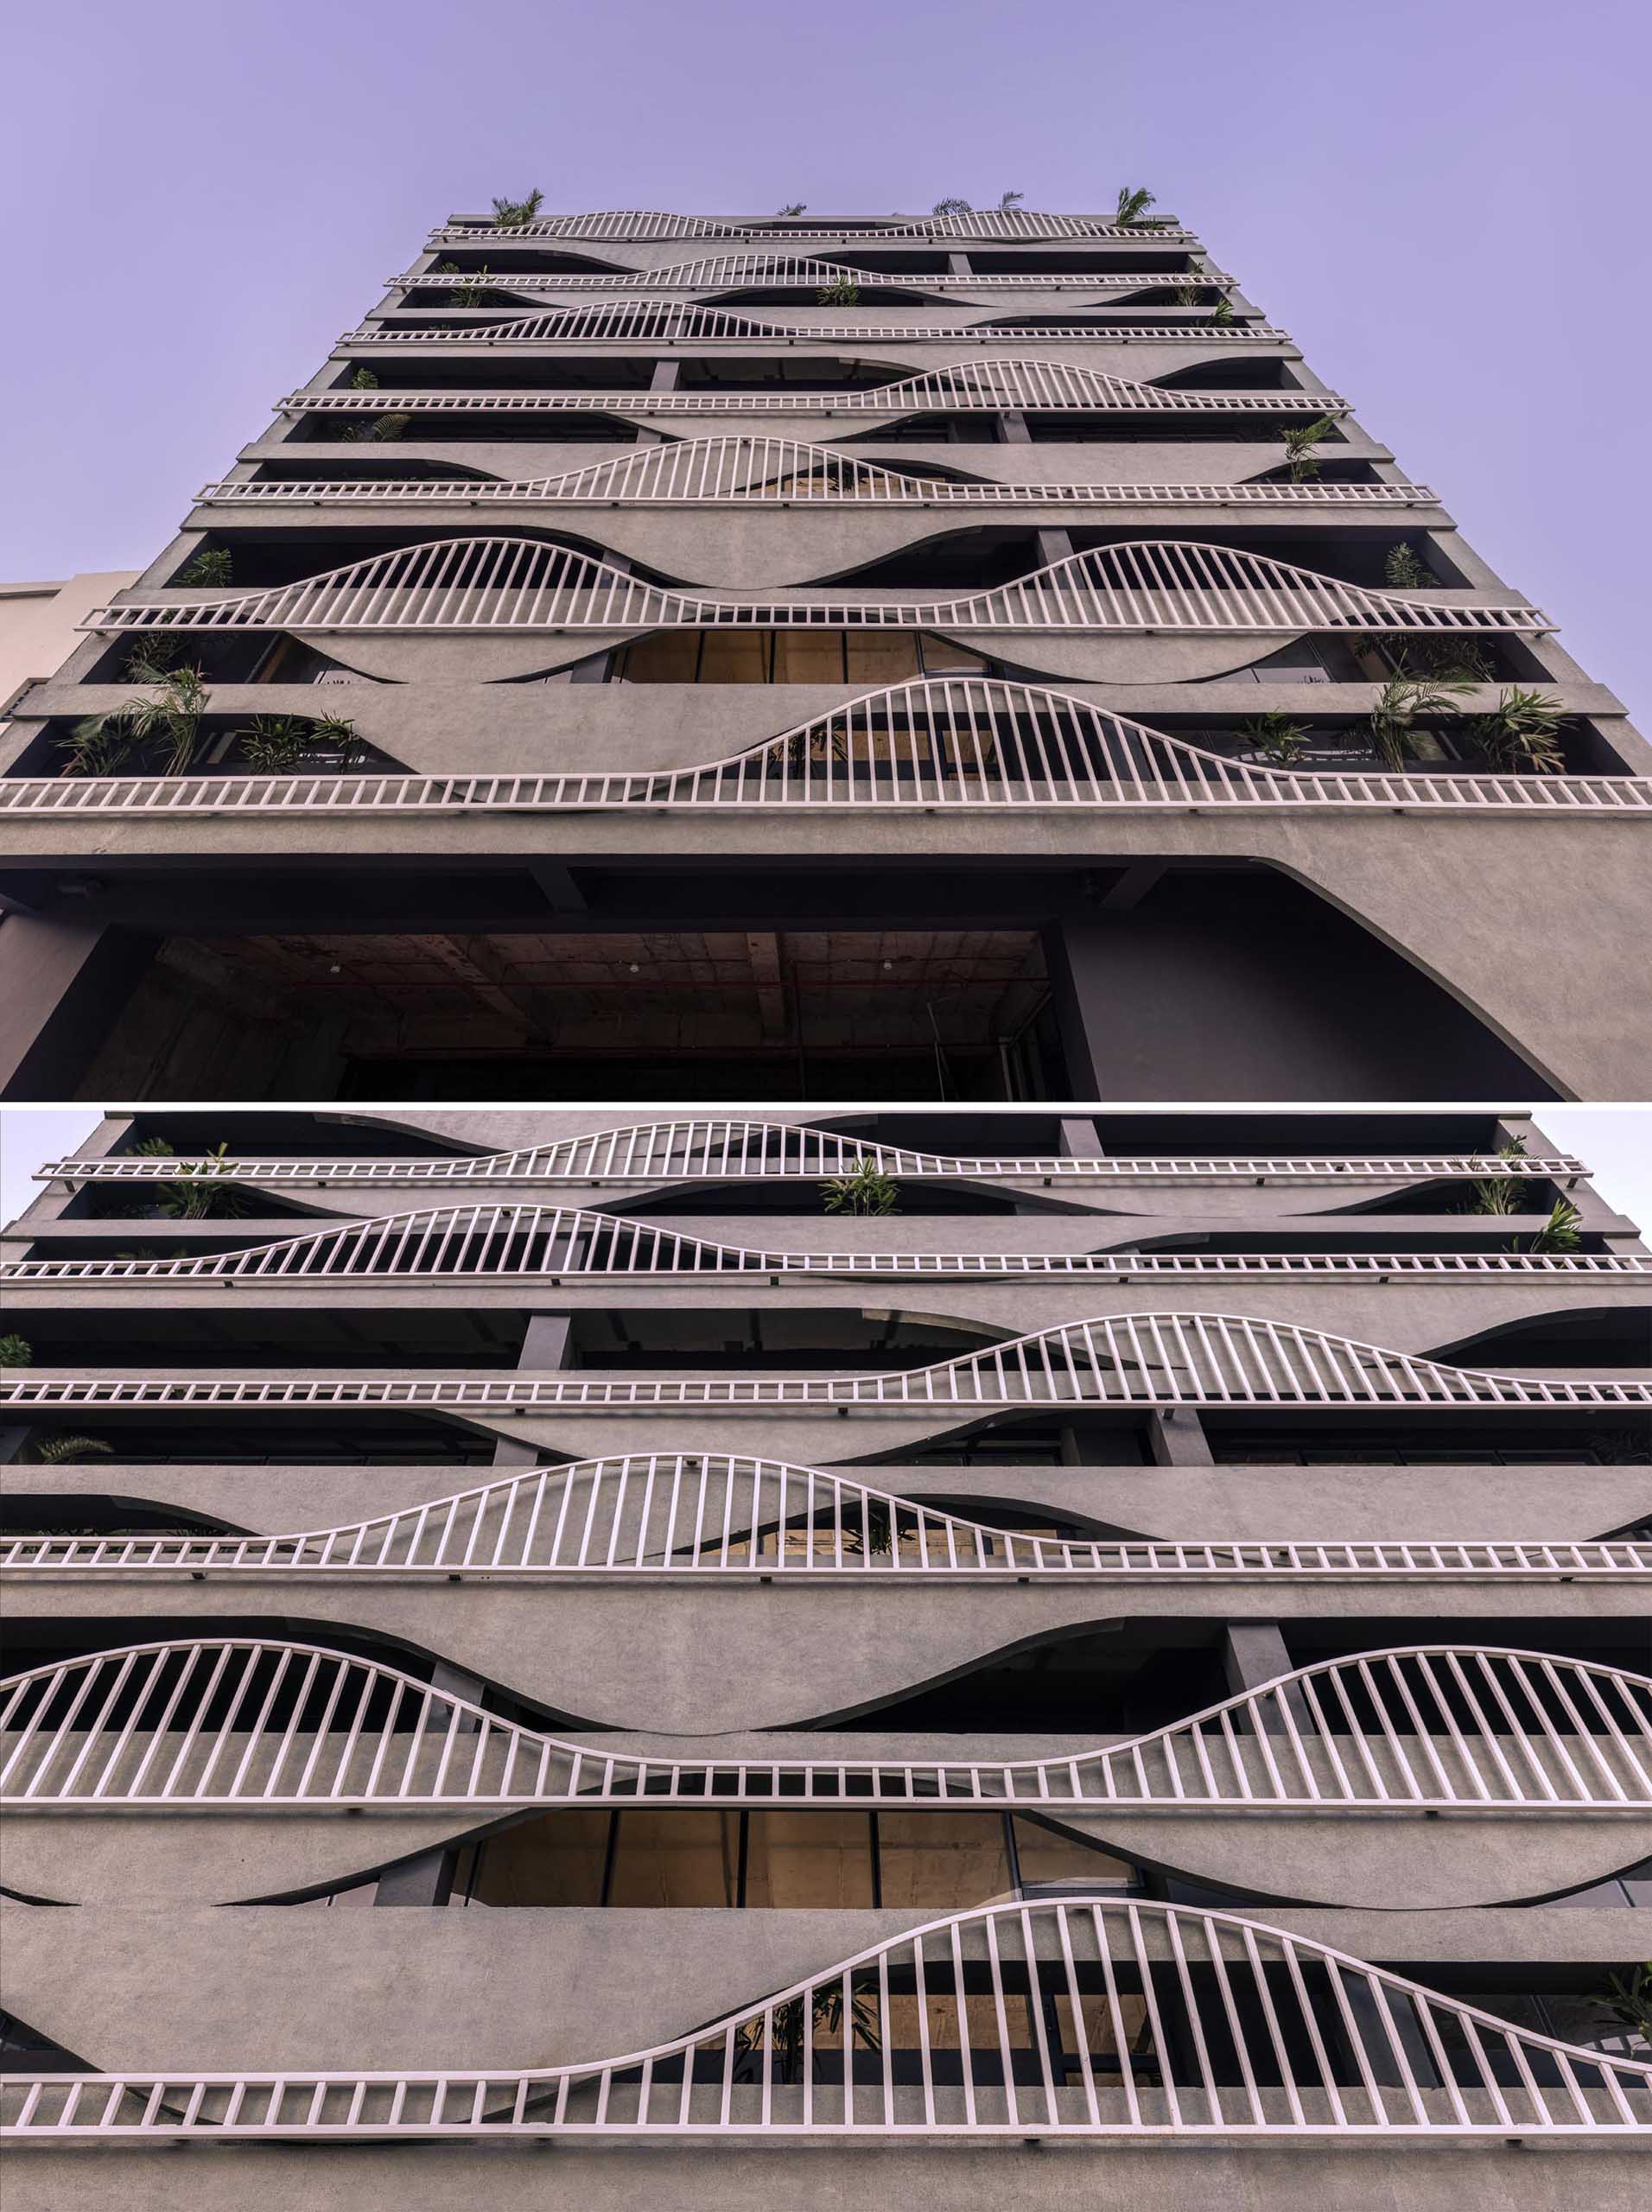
[[963, 388], [662, 1515], [639, 224], [1139, 1360], [557, 1244], [717, 1150], [222, 1724], [486, 585], [651, 320], [928, 747], [730, 271], [783, 472], [1101, 2019]]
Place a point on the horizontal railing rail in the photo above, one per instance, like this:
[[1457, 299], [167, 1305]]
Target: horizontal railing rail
[[1095, 2017], [563, 1243], [488, 584], [715, 1147], [668, 1514], [1145, 1360], [646, 321], [227, 1724], [638, 224], [729, 271], [967, 387]]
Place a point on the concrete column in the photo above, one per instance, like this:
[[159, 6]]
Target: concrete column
[[426, 1879], [1177, 1439], [1078, 1138], [1012, 428], [665, 376], [62, 985], [544, 1349], [1253, 1652], [958, 265]]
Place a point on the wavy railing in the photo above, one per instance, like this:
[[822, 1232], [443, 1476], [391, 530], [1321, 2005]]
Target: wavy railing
[[649, 320], [222, 1724], [725, 271], [789, 473], [670, 1514], [724, 1150], [556, 1244], [1143, 1360], [938, 743], [638, 224], [964, 387], [489, 584], [1100, 2019]]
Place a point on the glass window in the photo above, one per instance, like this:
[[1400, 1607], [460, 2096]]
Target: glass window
[[666, 657], [809, 1859], [935, 1862], [556, 1859], [942, 657], [1044, 1855], [809, 656], [882, 656], [735, 657], [676, 1858]]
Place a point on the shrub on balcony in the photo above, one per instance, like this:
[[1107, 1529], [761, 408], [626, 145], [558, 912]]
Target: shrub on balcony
[[200, 1188], [1401, 702], [865, 1190], [1131, 214], [1522, 733], [512, 214], [1301, 443], [841, 292], [275, 743], [60, 1450], [213, 565], [168, 723], [16, 1352], [1275, 736], [1404, 570]]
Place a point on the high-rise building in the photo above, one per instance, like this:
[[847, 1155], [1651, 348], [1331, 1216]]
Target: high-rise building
[[860, 1651], [971, 658]]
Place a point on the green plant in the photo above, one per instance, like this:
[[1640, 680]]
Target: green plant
[[1450, 659], [1628, 1998], [471, 289], [58, 1451], [1190, 295], [876, 1535], [16, 1352], [363, 379], [198, 1190], [795, 207], [841, 292], [952, 207], [1008, 200], [1275, 736], [826, 2012], [1560, 1232], [512, 214], [1300, 442], [1400, 701], [101, 743], [211, 565], [865, 1189], [377, 429], [1522, 732], [1499, 1194], [272, 743], [1403, 569], [151, 658], [1131, 214], [1222, 312]]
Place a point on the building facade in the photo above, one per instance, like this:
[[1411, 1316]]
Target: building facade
[[969, 659], [781, 1658]]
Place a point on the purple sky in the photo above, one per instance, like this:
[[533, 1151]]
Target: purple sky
[[1443, 199]]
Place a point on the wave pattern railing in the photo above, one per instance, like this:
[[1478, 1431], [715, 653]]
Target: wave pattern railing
[[973, 742], [1143, 1360], [227, 1724], [727, 271], [674, 1514], [489, 584], [562, 1243], [640, 224], [1100, 2017], [722, 1150], [966, 387], [621, 323]]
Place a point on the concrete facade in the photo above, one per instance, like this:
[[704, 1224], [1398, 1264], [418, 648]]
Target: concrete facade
[[1058, 396], [186, 1933]]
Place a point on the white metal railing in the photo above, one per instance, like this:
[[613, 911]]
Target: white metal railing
[[1100, 2017], [780, 472], [964, 387], [720, 1149], [727, 271], [665, 1515], [558, 1244], [222, 1724], [1142, 1360], [639, 224], [938, 743], [622, 321], [489, 584]]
